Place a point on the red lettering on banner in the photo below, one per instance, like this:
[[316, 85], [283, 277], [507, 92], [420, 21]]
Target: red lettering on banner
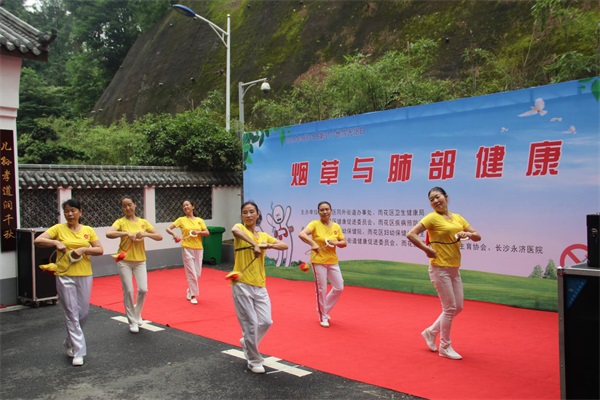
[[544, 158], [300, 174], [329, 172], [490, 161], [363, 172], [441, 165], [400, 167]]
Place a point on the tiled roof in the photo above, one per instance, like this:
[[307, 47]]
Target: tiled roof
[[20, 39], [42, 176]]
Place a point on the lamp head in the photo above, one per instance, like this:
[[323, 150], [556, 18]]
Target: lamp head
[[265, 87], [181, 9]]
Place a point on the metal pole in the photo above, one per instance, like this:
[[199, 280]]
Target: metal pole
[[228, 84], [241, 108], [241, 94], [225, 37]]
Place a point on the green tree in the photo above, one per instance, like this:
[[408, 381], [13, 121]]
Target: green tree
[[39, 99], [43, 146], [550, 272], [190, 139], [113, 145], [537, 272], [103, 33], [571, 65], [48, 16], [359, 85], [43, 90], [92, 41], [86, 81]]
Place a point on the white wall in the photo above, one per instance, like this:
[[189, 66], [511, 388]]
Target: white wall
[[226, 202], [10, 75]]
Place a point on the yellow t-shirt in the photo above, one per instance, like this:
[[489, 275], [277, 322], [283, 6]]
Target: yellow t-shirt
[[137, 252], [255, 274], [73, 240], [320, 232], [186, 225], [440, 229]]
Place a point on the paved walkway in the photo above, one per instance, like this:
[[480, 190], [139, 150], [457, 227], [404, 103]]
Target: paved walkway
[[157, 363]]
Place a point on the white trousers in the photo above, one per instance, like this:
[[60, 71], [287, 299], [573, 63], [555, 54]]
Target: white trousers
[[74, 293], [326, 301], [253, 309], [133, 305], [192, 264], [448, 283]]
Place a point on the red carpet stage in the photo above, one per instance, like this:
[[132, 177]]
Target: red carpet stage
[[508, 353]]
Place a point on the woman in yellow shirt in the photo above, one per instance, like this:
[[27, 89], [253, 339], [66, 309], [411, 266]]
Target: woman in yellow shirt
[[192, 228], [445, 230], [250, 296], [327, 236], [132, 231], [76, 242]]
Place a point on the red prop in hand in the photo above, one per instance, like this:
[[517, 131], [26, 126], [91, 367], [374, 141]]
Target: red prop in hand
[[120, 256], [232, 276], [304, 267]]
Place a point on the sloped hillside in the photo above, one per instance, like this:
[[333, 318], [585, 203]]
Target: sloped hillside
[[172, 67]]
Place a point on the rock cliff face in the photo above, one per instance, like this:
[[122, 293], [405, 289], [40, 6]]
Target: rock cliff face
[[173, 66]]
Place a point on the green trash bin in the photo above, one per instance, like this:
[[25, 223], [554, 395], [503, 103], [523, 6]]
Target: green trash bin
[[212, 245]]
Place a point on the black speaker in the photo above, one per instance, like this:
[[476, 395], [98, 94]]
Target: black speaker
[[593, 222], [579, 330], [34, 285]]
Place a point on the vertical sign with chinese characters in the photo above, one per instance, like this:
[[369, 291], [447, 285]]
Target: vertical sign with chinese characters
[[8, 196]]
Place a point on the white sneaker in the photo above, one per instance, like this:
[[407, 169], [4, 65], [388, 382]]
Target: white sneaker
[[257, 369], [194, 300], [243, 343], [77, 361], [449, 352], [325, 323], [134, 328], [429, 339], [188, 295]]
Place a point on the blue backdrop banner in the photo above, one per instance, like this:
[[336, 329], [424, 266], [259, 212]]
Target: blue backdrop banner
[[521, 167]]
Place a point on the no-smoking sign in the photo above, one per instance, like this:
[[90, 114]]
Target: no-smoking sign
[[573, 254]]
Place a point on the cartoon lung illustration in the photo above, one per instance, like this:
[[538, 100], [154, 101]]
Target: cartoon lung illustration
[[278, 219]]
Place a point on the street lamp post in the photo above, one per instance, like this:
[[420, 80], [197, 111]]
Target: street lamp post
[[225, 37], [242, 89]]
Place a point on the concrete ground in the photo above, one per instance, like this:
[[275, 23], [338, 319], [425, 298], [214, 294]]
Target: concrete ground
[[158, 363]]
